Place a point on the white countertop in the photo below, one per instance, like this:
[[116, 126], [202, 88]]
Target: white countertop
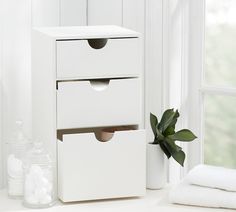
[[155, 200]]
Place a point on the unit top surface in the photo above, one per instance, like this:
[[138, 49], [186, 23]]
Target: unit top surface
[[87, 32]]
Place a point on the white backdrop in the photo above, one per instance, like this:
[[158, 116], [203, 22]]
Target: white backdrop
[[16, 23], [1, 29], [17, 18]]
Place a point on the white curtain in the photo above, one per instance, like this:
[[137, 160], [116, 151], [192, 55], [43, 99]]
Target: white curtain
[[1, 29], [16, 21], [15, 72]]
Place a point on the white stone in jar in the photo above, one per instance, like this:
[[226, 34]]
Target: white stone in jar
[[38, 189], [46, 200], [14, 166]]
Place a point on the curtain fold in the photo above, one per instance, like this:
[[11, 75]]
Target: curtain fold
[[1, 54], [15, 72], [16, 21]]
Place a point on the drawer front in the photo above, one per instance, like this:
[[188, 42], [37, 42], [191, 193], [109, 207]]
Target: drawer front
[[89, 169], [118, 58], [83, 104]]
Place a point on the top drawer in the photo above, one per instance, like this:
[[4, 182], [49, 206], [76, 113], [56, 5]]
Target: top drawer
[[98, 58]]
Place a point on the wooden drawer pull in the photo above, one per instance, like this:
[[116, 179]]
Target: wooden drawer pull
[[99, 85], [97, 43]]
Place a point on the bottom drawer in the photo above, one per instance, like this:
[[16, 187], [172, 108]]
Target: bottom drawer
[[89, 169]]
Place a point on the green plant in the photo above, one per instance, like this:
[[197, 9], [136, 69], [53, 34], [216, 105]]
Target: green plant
[[165, 135]]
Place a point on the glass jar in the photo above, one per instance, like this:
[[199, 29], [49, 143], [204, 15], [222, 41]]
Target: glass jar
[[39, 178], [17, 149]]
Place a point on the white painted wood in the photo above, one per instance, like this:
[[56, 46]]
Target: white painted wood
[[153, 63], [45, 13], [105, 12], [185, 73], [73, 12], [89, 104], [89, 169], [44, 90], [122, 97], [88, 32], [198, 88], [134, 14], [218, 90], [183, 51], [176, 71], [155, 200], [174, 77], [196, 61], [130, 14], [118, 58]]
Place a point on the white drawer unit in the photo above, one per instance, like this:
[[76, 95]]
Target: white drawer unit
[[90, 169], [98, 58], [86, 80], [98, 103]]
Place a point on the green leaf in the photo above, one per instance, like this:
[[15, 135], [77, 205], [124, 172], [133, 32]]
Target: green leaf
[[170, 130], [179, 157], [178, 147], [172, 146], [165, 150], [154, 123], [166, 119], [159, 136], [175, 151], [182, 135], [174, 121]]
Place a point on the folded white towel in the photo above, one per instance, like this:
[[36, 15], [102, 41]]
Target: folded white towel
[[212, 176], [202, 196]]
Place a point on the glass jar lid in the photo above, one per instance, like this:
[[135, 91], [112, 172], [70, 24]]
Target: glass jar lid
[[38, 155]]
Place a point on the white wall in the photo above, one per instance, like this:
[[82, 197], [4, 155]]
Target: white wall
[[173, 67], [196, 61], [73, 12], [45, 13], [154, 62], [181, 30]]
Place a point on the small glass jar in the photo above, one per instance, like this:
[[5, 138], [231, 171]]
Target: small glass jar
[[17, 149], [39, 189]]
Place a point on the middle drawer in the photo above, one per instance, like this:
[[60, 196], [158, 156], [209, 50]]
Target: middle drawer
[[95, 103]]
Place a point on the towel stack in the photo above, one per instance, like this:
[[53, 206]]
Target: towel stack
[[207, 186]]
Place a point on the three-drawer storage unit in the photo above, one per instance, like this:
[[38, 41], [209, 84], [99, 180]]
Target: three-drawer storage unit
[[87, 90]]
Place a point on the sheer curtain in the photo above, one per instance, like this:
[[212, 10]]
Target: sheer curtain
[[16, 21], [15, 72], [1, 162]]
